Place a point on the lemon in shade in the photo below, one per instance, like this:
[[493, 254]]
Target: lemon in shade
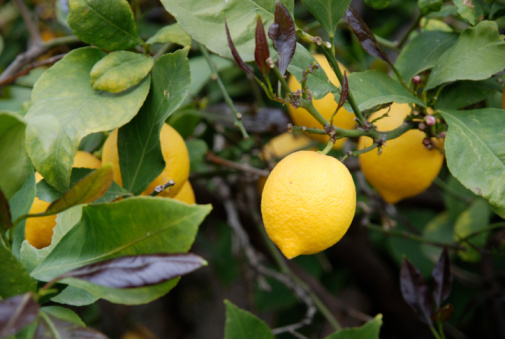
[[175, 154], [308, 203], [39, 231], [406, 167], [326, 106], [186, 194]]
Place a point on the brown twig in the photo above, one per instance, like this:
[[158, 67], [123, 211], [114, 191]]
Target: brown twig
[[29, 67], [241, 167]]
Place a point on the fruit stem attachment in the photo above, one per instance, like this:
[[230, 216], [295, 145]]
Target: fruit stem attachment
[[238, 117], [328, 147]]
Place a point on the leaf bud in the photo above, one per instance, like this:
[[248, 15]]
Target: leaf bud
[[430, 120]]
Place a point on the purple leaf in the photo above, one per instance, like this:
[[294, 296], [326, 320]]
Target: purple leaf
[[442, 277], [283, 34], [414, 291], [65, 329], [16, 313], [5, 213], [261, 52], [235, 54], [364, 35], [90, 188], [344, 91], [137, 271]]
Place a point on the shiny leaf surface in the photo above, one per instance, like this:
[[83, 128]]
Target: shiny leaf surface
[[261, 52], [442, 278], [414, 291], [283, 34]]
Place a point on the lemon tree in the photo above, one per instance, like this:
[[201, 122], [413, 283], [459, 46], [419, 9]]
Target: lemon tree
[[383, 197]]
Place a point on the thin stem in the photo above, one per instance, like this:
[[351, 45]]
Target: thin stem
[[434, 332], [50, 324], [358, 152], [307, 104], [241, 167], [451, 191], [30, 24], [486, 229], [163, 49], [412, 237], [328, 147], [399, 76], [414, 25], [441, 329], [238, 123], [392, 45], [282, 81]]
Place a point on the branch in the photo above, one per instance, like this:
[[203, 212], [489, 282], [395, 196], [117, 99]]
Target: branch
[[241, 167]]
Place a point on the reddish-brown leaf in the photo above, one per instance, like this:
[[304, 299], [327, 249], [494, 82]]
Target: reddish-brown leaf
[[364, 35], [414, 291], [16, 313], [65, 329], [261, 52], [283, 34], [234, 52], [442, 277], [139, 270]]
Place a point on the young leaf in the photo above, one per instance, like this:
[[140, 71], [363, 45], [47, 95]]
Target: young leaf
[[483, 129], [344, 91], [364, 35], [328, 13], [88, 189], [106, 24], [5, 213], [261, 52], [427, 6], [15, 162], [283, 34], [464, 93], [63, 313], [172, 33], [119, 71], [140, 158], [137, 271], [476, 55], [242, 324], [50, 326], [442, 277], [64, 90], [414, 291], [369, 330], [443, 314], [378, 4], [16, 313], [235, 54]]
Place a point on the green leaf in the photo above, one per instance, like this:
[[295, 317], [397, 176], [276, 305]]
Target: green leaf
[[119, 71], [197, 150], [14, 279], [5, 214], [140, 157], [171, 33], [12, 98], [242, 324], [328, 12], [317, 81], [422, 52], [457, 197], [475, 144], [63, 313], [427, 6], [378, 4], [476, 55], [75, 296], [439, 229], [15, 162], [139, 225], [472, 10], [465, 93], [206, 24], [90, 188], [48, 193], [372, 88], [474, 219], [370, 330], [65, 91], [108, 24], [201, 72]]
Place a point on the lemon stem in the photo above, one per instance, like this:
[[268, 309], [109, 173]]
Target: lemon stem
[[238, 117], [282, 81], [328, 147]]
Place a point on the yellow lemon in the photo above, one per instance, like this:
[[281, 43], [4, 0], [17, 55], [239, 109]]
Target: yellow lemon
[[284, 144], [186, 194], [308, 203], [405, 168], [174, 152], [39, 231], [326, 106]]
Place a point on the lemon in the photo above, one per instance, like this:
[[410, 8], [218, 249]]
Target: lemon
[[186, 194], [308, 203], [175, 154], [405, 168], [39, 231], [326, 106], [284, 144]]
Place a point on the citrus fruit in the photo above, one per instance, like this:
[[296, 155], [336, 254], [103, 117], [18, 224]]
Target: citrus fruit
[[186, 194], [284, 144], [175, 154], [326, 106], [308, 203], [406, 167], [39, 230]]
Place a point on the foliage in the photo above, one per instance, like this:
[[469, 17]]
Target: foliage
[[73, 71]]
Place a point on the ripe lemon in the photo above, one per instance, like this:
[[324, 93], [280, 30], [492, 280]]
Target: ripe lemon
[[308, 203], [284, 144], [186, 194], [405, 168], [175, 154], [326, 106], [39, 231]]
